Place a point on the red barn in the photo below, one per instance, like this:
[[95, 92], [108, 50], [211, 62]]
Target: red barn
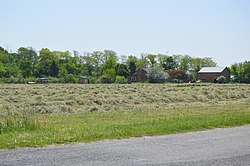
[[209, 74], [140, 75]]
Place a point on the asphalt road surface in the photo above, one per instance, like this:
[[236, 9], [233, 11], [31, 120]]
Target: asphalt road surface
[[229, 147]]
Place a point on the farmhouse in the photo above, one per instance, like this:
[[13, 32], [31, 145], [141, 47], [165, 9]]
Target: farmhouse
[[83, 80], [209, 74], [140, 75]]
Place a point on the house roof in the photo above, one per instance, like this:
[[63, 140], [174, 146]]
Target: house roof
[[212, 69]]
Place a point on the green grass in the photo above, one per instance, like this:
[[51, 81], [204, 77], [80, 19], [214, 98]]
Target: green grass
[[95, 126], [17, 123]]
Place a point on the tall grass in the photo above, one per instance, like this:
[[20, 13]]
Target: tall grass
[[17, 123]]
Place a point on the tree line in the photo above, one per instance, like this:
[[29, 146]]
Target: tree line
[[27, 64]]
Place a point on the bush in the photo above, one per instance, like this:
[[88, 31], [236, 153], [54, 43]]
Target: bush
[[54, 80], [221, 79], [105, 80], [120, 79], [93, 80], [157, 75], [179, 75]]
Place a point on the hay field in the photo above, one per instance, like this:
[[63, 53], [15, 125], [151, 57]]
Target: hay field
[[74, 98], [39, 115]]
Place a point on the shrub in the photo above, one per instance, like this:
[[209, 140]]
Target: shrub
[[54, 80], [12, 79], [157, 75], [179, 75], [105, 80], [221, 79], [93, 80], [120, 79]]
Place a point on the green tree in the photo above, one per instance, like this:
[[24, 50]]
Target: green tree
[[26, 68], [241, 72], [167, 62], [152, 59], [110, 54], [2, 70], [45, 60], [122, 70], [109, 64], [54, 69], [108, 76], [185, 62], [131, 62]]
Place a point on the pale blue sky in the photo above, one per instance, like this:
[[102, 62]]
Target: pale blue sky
[[200, 28]]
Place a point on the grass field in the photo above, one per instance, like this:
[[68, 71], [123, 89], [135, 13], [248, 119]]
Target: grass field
[[38, 115]]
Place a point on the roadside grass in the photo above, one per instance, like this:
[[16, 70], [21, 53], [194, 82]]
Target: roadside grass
[[17, 123], [52, 129]]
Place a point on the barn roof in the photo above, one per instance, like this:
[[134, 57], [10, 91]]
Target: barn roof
[[146, 69], [212, 70], [44, 78], [83, 77]]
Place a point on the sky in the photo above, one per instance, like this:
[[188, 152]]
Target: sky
[[219, 29]]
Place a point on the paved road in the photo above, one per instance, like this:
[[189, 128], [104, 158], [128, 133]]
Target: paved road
[[227, 147]]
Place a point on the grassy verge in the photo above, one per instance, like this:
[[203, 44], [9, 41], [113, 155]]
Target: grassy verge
[[95, 126], [17, 123]]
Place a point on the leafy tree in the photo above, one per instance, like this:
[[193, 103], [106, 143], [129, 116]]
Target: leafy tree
[[122, 70], [131, 62], [54, 69], [241, 72], [108, 76], [152, 59], [99, 58], [28, 54], [185, 62], [88, 66], [167, 62], [12, 70], [157, 75], [26, 68], [109, 64], [123, 59], [45, 60], [2, 69], [110, 54]]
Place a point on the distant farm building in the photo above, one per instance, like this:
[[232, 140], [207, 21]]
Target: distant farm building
[[140, 75], [210, 74], [43, 81], [83, 80]]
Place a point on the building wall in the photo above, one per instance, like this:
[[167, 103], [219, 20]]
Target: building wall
[[140, 76], [83, 81], [209, 77], [226, 73]]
